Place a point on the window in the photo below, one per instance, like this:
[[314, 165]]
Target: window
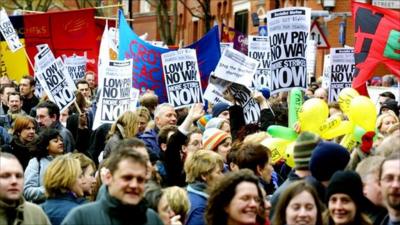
[[144, 6], [241, 21]]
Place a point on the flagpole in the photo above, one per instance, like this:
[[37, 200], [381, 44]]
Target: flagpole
[[29, 60], [110, 18], [108, 6]]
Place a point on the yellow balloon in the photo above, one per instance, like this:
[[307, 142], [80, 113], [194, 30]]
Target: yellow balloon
[[277, 147], [345, 97], [331, 123], [313, 114], [289, 155], [362, 112], [345, 127], [349, 142]]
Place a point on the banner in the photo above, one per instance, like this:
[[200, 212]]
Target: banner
[[67, 32], [57, 84], [147, 68], [288, 30], [236, 67], [341, 72], [311, 56], [8, 32], [251, 109], [238, 39], [115, 94], [182, 77], [377, 33], [259, 50], [76, 66]]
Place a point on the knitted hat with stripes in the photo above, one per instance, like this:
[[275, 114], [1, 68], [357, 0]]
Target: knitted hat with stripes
[[305, 144], [212, 137]]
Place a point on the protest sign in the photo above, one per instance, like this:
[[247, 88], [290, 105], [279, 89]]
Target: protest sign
[[239, 40], [76, 66], [311, 54], [115, 94], [236, 67], [8, 32], [341, 71], [44, 57], [326, 71], [288, 30], [224, 45], [259, 50], [57, 84], [215, 89], [182, 77], [214, 95], [251, 109]]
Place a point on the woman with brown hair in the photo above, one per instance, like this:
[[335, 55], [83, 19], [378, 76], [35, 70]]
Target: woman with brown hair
[[236, 200], [298, 204], [24, 140]]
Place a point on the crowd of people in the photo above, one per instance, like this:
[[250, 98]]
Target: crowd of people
[[201, 165]]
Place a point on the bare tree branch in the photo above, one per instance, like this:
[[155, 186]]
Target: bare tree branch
[[190, 10]]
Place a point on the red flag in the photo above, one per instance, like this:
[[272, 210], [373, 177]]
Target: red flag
[[66, 32], [377, 33]]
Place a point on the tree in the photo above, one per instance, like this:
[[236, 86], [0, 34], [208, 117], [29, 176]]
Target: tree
[[33, 5], [203, 14], [166, 21]]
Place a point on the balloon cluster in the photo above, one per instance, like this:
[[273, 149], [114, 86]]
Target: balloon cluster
[[313, 116]]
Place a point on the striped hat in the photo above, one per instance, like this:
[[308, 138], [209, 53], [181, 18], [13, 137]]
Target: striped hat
[[201, 123], [305, 144], [212, 137]]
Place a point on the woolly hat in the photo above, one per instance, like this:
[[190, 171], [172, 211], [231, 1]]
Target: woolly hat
[[390, 104], [219, 108], [215, 123], [326, 159], [303, 147], [213, 137], [346, 182], [201, 123]]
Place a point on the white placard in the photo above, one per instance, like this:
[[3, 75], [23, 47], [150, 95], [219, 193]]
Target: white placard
[[259, 49], [235, 67], [288, 30], [225, 45], [341, 71], [57, 84], [8, 32], [182, 77], [116, 96], [76, 66], [326, 71]]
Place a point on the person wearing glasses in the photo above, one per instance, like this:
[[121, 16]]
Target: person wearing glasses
[[389, 176]]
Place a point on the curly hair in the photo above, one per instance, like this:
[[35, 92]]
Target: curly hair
[[44, 140], [222, 194]]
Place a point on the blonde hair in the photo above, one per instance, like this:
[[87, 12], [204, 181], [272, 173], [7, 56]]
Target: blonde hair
[[129, 123], [380, 118], [178, 200], [84, 161], [256, 138], [143, 112], [61, 175], [201, 163]]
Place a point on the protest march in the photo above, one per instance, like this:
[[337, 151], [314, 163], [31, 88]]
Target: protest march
[[99, 124]]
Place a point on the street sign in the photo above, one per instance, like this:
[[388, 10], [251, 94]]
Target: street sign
[[318, 36], [262, 31]]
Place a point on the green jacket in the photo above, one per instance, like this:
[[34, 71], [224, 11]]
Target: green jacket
[[25, 213], [110, 211]]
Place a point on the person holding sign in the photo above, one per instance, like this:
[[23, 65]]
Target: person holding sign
[[27, 90]]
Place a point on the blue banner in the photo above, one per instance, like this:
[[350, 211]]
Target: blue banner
[[147, 70]]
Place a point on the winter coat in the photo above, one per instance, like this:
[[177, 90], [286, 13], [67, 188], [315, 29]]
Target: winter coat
[[58, 207], [198, 203], [33, 184], [110, 211], [25, 213]]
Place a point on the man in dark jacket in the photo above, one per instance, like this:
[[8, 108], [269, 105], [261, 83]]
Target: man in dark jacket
[[123, 201]]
